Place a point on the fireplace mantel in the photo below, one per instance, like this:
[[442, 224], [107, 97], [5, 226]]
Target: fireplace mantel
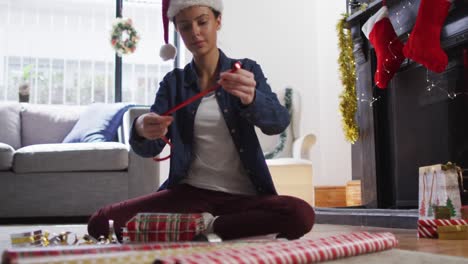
[[388, 176]]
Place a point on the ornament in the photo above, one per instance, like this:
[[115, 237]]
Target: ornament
[[423, 45], [388, 48]]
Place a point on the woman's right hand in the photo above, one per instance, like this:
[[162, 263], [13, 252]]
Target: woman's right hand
[[153, 126]]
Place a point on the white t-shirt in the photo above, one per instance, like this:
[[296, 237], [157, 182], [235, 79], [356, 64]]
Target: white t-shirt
[[215, 162]]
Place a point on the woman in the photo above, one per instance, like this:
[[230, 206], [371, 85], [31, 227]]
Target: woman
[[217, 166]]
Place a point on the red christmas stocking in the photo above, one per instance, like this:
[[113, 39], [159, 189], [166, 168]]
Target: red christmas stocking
[[423, 45], [389, 49]]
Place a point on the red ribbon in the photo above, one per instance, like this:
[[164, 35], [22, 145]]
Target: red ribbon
[[237, 65]]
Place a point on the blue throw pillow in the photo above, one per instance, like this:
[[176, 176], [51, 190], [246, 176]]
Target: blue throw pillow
[[98, 122]]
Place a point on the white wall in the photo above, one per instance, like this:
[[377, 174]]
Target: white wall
[[295, 43]]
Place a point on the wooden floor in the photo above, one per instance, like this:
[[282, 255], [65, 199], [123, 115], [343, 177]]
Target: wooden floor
[[407, 239]]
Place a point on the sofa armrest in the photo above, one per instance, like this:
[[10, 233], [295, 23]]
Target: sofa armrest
[[143, 172], [302, 145], [143, 175], [127, 121]]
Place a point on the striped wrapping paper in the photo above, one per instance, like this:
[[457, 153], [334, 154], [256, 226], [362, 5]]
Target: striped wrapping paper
[[163, 227], [276, 252], [297, 251], [427, 228]]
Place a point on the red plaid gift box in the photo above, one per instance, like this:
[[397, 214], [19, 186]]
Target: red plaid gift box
[[428, 228], [162, 227]]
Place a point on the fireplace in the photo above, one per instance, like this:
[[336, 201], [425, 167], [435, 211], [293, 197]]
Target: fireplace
[[420, 119]]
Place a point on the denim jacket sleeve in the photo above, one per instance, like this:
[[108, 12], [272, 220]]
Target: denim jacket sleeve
[[265, 111], [151, 148]]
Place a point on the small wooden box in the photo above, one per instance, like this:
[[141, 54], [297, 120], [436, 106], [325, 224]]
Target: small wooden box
[[330, 196], [353, 193]]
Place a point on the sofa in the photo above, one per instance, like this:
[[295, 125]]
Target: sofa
[[42, 177]]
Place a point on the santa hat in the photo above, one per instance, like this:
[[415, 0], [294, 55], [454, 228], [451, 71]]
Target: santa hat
[[170, 8]]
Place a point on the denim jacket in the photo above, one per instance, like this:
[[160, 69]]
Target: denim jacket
[[264, 112]]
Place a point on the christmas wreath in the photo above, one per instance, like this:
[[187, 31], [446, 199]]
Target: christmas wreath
[[124, 37], [283, 135]]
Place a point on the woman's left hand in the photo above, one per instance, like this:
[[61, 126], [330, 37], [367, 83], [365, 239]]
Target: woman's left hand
[[240, 83]]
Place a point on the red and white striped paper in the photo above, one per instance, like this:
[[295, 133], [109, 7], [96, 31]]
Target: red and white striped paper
[[427, 228], [296, 251]]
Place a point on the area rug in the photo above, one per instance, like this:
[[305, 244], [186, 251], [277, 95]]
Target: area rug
[[275, 252]]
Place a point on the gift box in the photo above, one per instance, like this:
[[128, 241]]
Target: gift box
[[457, 232], [26, 239], [464, 212], [428, 228], [163, 227]]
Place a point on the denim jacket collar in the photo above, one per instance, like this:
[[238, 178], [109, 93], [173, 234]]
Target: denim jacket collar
[[190, 71]]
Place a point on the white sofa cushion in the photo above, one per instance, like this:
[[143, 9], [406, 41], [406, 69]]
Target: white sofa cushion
[[99, 156], [54, 122], [6, 157], [10, 123]]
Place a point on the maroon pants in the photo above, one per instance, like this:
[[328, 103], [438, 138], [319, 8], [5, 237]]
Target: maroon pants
[[239, 215]]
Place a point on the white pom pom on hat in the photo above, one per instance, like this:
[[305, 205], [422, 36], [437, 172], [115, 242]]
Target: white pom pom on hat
[[170, 8]]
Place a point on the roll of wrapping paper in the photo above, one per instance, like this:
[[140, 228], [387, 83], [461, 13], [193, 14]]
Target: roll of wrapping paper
[[276, 252]]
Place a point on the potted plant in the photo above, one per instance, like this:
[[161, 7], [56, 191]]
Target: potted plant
[[24, 89]]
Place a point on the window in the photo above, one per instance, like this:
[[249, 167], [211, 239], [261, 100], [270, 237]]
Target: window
[[61, 50]]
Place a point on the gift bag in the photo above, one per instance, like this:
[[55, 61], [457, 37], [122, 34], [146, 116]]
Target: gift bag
[[439, 186]]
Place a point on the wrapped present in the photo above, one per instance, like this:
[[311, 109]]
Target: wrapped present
[[163, 227], [274, 252], [464, 212], [457, 232], [439, 186], [33, 238], [428, 228]]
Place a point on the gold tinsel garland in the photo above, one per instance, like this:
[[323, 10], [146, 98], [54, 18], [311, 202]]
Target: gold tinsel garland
[[348, 100]]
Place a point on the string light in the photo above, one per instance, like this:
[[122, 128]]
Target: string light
[[432, 83], [398, 13], [371, 101], [435, 84]]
